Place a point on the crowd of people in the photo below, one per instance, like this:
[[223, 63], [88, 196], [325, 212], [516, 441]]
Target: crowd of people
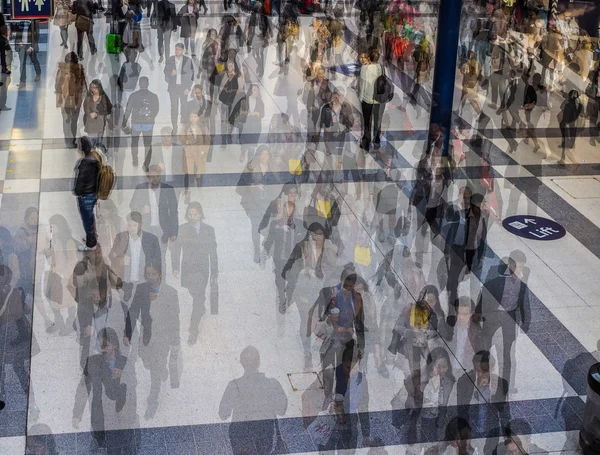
[[389, 271]]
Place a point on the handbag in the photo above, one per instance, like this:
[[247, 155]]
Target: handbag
[[226, 97], [83, 23], [362, 255], [54, 290], [295, 166], [324, 208]]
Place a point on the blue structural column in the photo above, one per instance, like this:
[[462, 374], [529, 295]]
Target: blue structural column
[[444, 73]]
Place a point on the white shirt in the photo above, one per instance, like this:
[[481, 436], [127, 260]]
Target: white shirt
[[178, 64], [153, 198], [368, 77], [135, 250], [251, 104]]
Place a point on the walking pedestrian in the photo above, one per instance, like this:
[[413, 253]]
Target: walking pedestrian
[[143, 108], [86, 190]]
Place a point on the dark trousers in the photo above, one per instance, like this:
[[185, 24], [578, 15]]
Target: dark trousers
[[371, 121], [178, 98], [23, 58], [64, 35], [568, 132], [86, 204], [198, 293], [164, 43], [70, 119], [135, 137], [91, 42]]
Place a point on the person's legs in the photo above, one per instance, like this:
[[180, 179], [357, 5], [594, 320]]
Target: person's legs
[[73, 120], [148, 147], [80, 43], [36, 64], [167, 41], [186, 43], [198, 293], [23, 60], [161, 43], [377, 116], [135, 138], [86, 203], [367, 110], [174, 97]]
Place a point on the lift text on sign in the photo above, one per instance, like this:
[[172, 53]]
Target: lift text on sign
[[534, 227]]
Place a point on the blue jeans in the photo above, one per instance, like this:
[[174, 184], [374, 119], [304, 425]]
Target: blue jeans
[[86, 205]]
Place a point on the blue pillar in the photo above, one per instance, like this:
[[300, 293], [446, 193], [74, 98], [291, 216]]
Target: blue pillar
[[444, 73]]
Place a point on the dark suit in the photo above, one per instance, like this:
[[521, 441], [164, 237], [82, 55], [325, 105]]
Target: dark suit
[[195, 255], [491, 306], [489, 417], [98, 378], [282, 238], [84, 8], [25, 40], [167, 209], [167, 23], [150, 247], [177, 91]]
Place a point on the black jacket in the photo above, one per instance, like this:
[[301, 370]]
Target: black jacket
[[83, 8], [167, 15], [86, 181], [167, 208], [142, 106], [187, 72]]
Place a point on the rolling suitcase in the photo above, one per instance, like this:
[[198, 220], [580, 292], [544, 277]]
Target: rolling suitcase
[[114, 43]]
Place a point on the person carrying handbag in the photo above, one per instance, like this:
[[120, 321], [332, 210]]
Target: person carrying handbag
[[62, 19], [227, 96], [84, 23]]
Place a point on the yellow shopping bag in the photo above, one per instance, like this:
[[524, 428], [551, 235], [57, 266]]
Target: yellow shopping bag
[[324, 208], [295, 167], [220, 67], [362, 255]]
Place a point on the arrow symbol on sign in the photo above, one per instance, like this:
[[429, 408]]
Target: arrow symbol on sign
[[529, 220]]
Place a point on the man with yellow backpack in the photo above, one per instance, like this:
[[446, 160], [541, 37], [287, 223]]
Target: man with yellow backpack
[[94, 180]]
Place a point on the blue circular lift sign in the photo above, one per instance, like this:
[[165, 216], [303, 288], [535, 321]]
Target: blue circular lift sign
[[534, 227]]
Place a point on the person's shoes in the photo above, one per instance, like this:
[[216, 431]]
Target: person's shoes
[[85, 248], [418, 265], [257, 257], [5, 108], [283, 305], [120, 402], [52, 328], [536, 148], [561, 162], [150, 412], [406, 252], [187, 52], [161, 59], [21, 85], [383, 372], [145, 168], [6, 71], [193, 338], [381, 236], [451, 321], [135, 162], [37, 78]]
